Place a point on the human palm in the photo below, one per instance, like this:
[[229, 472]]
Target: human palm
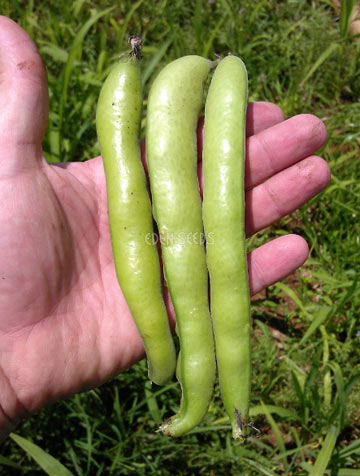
[[64, 324]]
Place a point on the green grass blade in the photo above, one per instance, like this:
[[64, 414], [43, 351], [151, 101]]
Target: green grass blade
[[164, 389], [119, 417], [127, 20], [75, 458], [327, 375], [155, 60], [48, 463], [256, 9], [77, 6], [212, 37], [311, 378], [295, 451], [57, 54], [152, 404], [340, 408], [306, 466], [78, 40], [322, 315], [348, 472], [347, 7], [8, 462], [324, 456], [259, 467], [350, 449], [292, 295], [276, 432], [298, 371], [197, 22], [226, 6], [327, 312], [323, 57], [299, 444], [280, 411], [54, 142], [348, 295]]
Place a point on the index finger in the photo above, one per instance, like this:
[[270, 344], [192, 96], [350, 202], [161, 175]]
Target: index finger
[[282, 145]]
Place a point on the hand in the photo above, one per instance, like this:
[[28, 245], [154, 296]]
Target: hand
[[64, 324]]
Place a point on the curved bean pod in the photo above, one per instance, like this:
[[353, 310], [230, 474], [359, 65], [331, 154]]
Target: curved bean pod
[[174, 103], [135, 255], [224, 222]]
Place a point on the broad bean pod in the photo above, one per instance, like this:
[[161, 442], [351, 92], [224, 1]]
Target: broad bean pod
[[130, 218], [174, 104], [224, 221]]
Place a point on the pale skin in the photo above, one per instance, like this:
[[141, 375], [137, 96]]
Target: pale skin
[[64, 324]]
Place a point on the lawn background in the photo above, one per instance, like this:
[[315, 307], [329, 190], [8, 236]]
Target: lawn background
[[306, 330]]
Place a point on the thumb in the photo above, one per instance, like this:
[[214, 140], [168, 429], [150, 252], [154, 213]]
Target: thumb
[[24, 101]]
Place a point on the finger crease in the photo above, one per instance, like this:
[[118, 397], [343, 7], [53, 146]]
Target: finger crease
[[275, 199], [266, 149]]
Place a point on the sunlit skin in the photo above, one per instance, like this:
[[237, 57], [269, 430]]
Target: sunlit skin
[[64, 325]]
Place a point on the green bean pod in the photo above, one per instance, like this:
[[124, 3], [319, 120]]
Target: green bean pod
[[174, 104], [224, 223], [135, 254]]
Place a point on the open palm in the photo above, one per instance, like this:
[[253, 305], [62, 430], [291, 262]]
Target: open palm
[[64, 324]]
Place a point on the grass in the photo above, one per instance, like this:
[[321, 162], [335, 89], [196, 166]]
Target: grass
[[306, 330]]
